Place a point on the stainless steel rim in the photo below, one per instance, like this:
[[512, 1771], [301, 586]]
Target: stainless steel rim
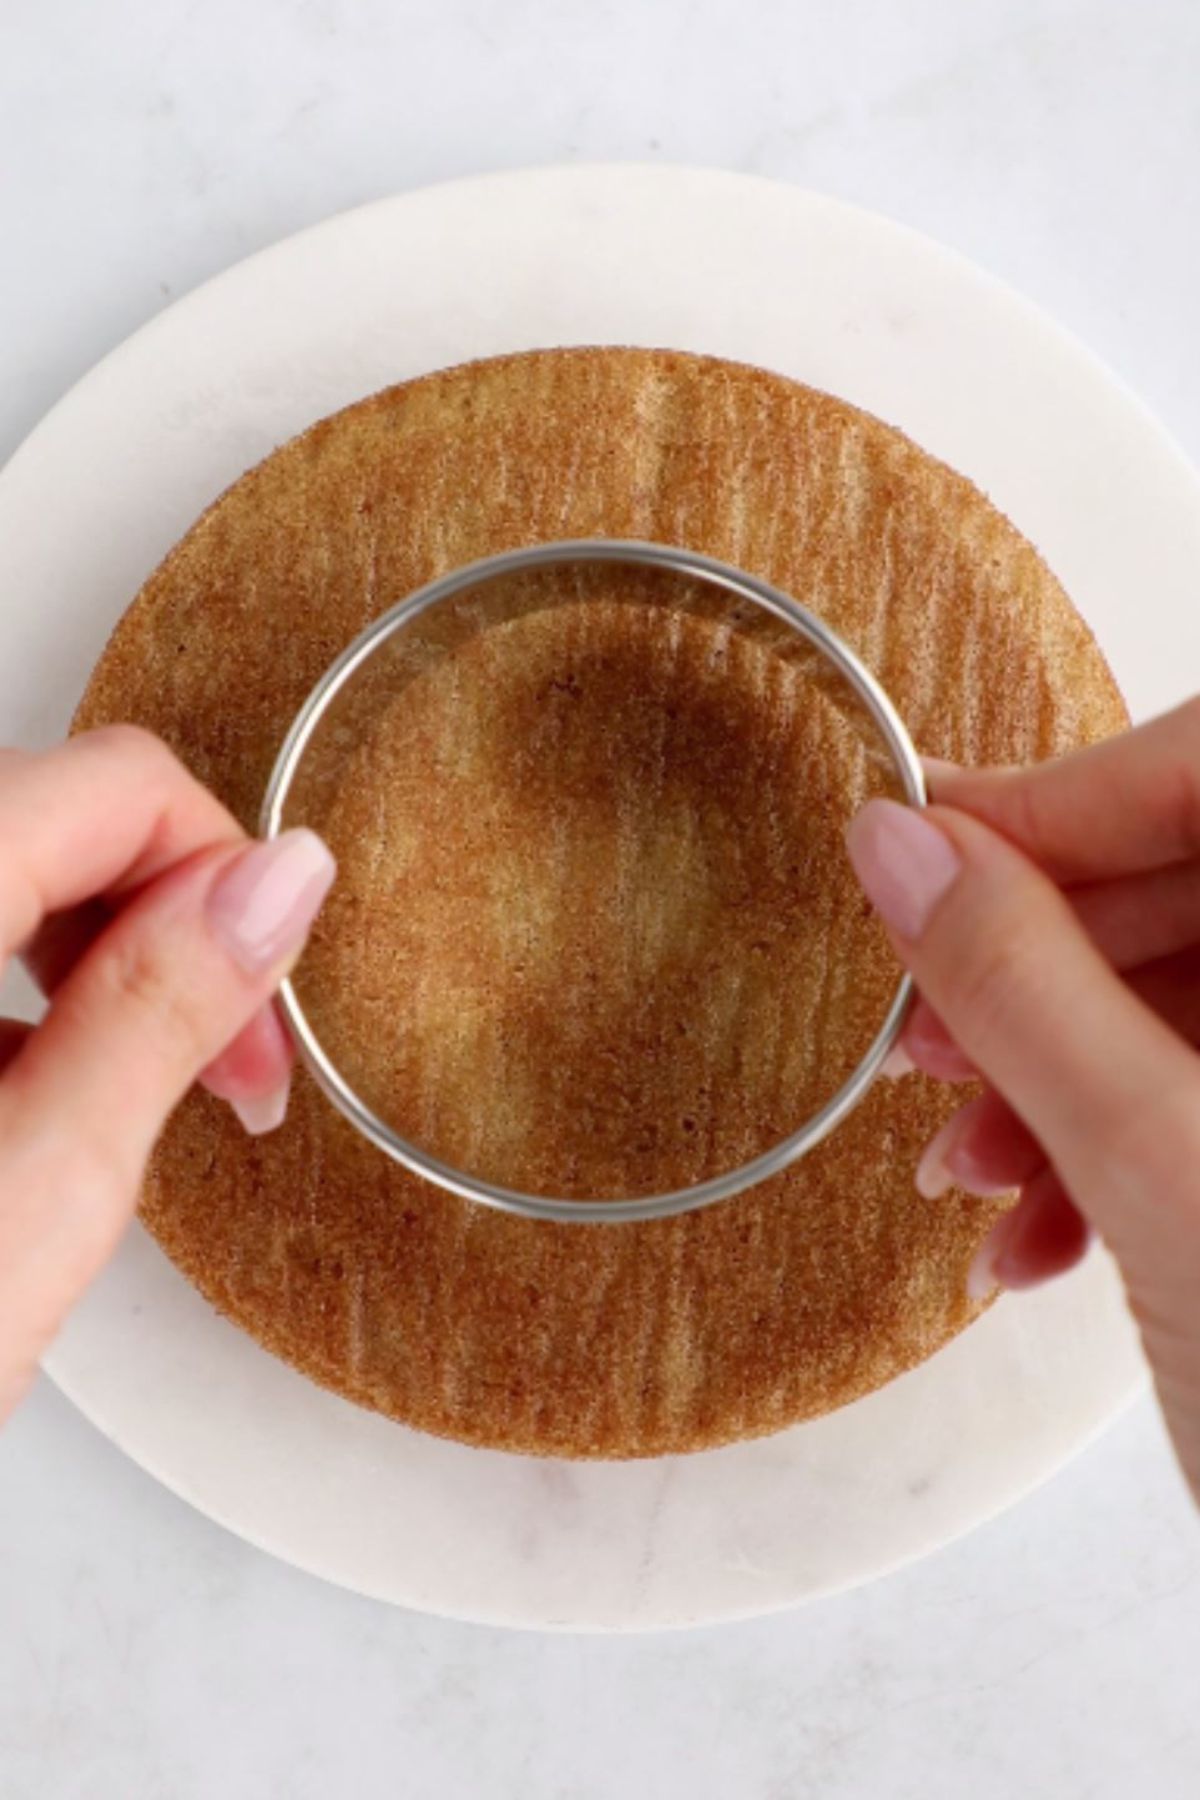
[[691, 563]]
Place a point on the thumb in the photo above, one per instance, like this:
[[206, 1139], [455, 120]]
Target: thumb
[[166, 986], [1112, 1094]]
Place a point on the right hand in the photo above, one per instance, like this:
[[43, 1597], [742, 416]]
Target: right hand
[[1051, 919]]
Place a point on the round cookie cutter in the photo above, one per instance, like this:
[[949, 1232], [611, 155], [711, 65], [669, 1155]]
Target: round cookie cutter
[[803, 628]]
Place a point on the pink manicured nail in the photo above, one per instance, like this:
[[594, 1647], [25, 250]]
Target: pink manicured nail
[[933, 1177], [949, 1160], [263, 1112], [896, 1063], [262, 906], [982, 1276], [906, 865], [998, 1261]]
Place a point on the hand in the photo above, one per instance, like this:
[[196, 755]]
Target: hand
[[1051, 918], [160, 932]]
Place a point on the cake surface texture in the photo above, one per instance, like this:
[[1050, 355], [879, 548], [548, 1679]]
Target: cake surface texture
[[594, 929]]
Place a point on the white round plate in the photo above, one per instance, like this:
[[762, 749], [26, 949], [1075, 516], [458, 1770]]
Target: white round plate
[[657, 256]]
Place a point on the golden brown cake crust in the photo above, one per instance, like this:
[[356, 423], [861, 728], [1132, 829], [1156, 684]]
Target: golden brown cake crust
[[604, 1341]]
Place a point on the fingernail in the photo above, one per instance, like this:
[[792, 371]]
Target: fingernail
[[933, 1177], [263, 1112], [896, 1063], [906, 865], [982, 1276], [950, 1160], [264, 903]]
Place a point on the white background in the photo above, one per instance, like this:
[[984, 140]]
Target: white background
[[143, 1652]]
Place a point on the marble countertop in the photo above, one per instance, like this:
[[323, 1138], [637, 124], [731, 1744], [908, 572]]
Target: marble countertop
[[143, 1651]]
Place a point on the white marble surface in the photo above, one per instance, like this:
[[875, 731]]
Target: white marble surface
[[143, 1651]]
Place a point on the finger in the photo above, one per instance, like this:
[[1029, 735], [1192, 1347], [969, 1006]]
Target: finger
[[927, 1045], [1141, 920], [1132, 802], [13, 1036], [1137, 919], [1170, 987], [1043, 1236], [102, 814], [1134, 919], [181, 970], [175, 817], [61, 939], [253, 1073], [1104, 1085], [984, 1148], [1128, 930]]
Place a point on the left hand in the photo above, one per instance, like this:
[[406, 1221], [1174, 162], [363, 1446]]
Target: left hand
[[160, 933]]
